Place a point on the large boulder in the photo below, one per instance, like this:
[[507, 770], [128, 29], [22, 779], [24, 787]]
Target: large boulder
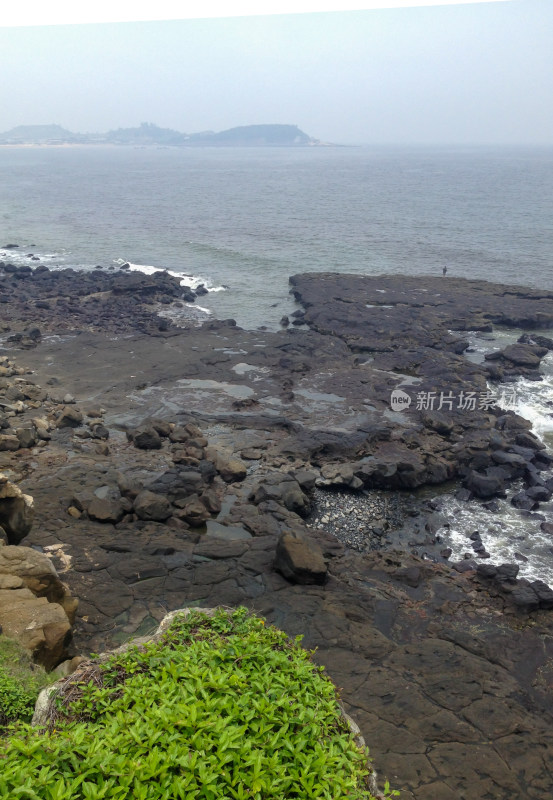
[[41, 627], [16, 511], [36, 608], [177, 483], [484, 486], [37, 574], [524, 355], [300, 559]]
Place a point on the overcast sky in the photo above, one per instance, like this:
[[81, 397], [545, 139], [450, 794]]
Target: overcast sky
[[474, 73]]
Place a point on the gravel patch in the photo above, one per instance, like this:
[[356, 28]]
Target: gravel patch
[[360, 520]]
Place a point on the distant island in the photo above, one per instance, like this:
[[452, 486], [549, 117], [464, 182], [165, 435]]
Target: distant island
[[149, 134]]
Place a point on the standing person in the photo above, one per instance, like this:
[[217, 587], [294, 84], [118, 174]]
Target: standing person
[[444, 271]]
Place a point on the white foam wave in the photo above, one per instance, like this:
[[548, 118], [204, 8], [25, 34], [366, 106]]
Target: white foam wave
[[532, 400], [183, 317], [506, 535], [28, 256], [190, 281]]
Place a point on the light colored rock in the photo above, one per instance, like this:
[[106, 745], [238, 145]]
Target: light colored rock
[[43, 705], [70, 417], [41, 422], [8, 442], [41, 627], [11, 582], [68, 667], [38, 575], [36, 608], [26, 436]]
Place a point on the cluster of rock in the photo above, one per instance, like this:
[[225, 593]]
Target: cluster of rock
[[18, 395], [184, 496], [519, 454], [36, 608], [522, 358], [526, 595], [29, 415], [58, 300]]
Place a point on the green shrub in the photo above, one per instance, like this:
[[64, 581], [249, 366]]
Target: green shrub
[[221, 708], [20, 683]]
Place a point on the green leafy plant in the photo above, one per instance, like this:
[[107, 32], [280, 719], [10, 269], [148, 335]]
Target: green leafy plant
[[20, 683], [221, 708]]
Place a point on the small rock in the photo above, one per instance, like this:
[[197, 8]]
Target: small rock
[[105, 510], [69, 418], [147, 439], [151, 506]]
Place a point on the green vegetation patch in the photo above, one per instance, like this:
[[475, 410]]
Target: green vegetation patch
[[20, 683], [220, 708]]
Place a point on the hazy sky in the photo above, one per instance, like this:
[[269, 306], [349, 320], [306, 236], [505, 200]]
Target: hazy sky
[[474, 73]]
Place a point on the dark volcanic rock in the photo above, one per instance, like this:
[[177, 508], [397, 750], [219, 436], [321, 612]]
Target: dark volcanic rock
[[96, 300], [484, 486], [523, 501], [524, 355], [525, 599], [146, 438], [282, 489], [544, 593], [540, 493]]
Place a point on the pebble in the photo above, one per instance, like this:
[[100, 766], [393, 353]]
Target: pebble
[[358, 519]]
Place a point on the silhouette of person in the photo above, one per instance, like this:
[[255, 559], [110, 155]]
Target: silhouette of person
[[444, 271]]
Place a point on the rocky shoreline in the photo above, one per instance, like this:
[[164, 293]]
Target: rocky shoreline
[[211, 465]]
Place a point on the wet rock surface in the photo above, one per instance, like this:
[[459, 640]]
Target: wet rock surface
[[265, 440], [34, 300]]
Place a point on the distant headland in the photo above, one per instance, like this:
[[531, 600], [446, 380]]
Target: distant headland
[[149, 134]]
